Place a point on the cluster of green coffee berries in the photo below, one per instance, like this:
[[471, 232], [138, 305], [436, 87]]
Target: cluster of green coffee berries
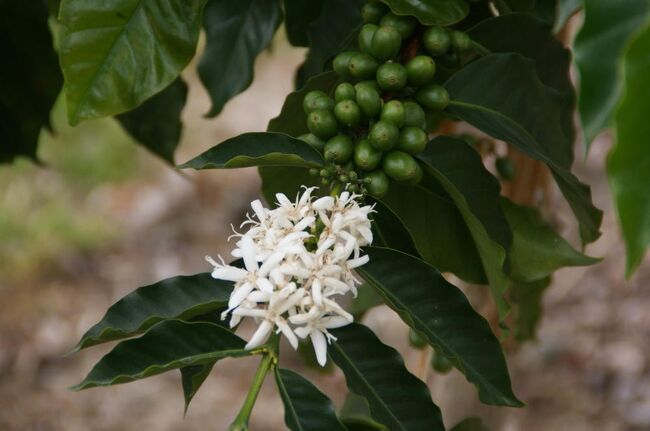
[[374, 124]]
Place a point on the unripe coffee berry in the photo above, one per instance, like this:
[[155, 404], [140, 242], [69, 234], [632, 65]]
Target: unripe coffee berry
[[383, 135], [373, 11], [368, 83], [393, 111], [365, 37], [413, 114], [344, 91], [348, 113], [341, 64], [322, 123], [460, 41], [379, 183], [338, 149], [368, 100], [366, 156], [436, 40], [433, 97], [391, 76], [313, 140], [362, 66], [420, 70], [405, 24], [309, 100], [386, 43], [400, 166], [412, 140]]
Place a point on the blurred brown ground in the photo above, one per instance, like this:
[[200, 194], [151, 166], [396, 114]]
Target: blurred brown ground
[[65, 256]]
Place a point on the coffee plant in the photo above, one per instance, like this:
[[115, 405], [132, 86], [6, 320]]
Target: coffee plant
[[397, 146]]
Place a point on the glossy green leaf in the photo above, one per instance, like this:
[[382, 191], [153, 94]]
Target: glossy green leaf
[[30, 78], [533, 38], [299, 16], [372, 370], [599, 48], [541, 9], [335, 30], [476, 193], [257, 149], [236, 32], [287, 180], [527, 296], [441, 313], [441, 235], [537, 132], [166, 346], [438, 12], [390, 229], [180, 297], [305, 407], [470, 424], [355, 414], [156, 124], [115, 54], [192, 378], [292, 119], [628, 166], [537, 251]]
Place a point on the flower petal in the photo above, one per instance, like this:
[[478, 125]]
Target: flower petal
[[320, 346], [260, 336]]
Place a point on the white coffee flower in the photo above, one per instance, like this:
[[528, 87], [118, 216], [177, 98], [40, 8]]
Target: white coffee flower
[[298, 258]]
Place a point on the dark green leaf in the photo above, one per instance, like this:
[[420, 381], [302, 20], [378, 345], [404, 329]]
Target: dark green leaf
[[441, 313], [30, 78], [292, 119], [528, 118], [355, 414], [537, 251], [192, 378], [115, 54], [441, 236], [180, 297], [527, 297], [542, 9], [305, 407], [599, 47], [334, 31], [236, 32], [156, 124], [257, 149], [628, 166], [390, 229], [470, 424], [439, 12], [168, 345], [299, 15], [372, 370], [476, 193], [287, 180], [366, 299], [533, 38]]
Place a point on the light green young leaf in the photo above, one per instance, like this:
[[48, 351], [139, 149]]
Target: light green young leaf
[[115, 54], [628, 166]]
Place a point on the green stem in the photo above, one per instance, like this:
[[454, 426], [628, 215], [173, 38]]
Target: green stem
[[336, 189], [270, 357]]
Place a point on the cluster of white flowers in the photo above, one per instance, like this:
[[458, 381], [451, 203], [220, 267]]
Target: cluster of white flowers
[[298, 258]]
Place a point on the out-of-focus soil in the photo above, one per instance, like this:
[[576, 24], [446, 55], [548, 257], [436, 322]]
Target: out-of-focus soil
[[588, 370]]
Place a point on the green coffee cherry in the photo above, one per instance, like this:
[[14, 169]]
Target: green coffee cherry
[[399, 166], [383, 135], [309, 100], [417, 177], [341, 63], [362, 66], [420, 70], [505, 168], [353, 175], [393, 111], [460, 41], [369, 83], [413, 114], [416, 340], [373, 11], [433, 97], [348, 113], [368, 100], [322, 102], [365, 37], [436, 40], [440, 363], [405, 25], [366, 156], [338, 149], [412, 140], [325, 173], [379, 183], [322, 124], [391, 76], [313, 140], [386, 43], [344, 91]]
